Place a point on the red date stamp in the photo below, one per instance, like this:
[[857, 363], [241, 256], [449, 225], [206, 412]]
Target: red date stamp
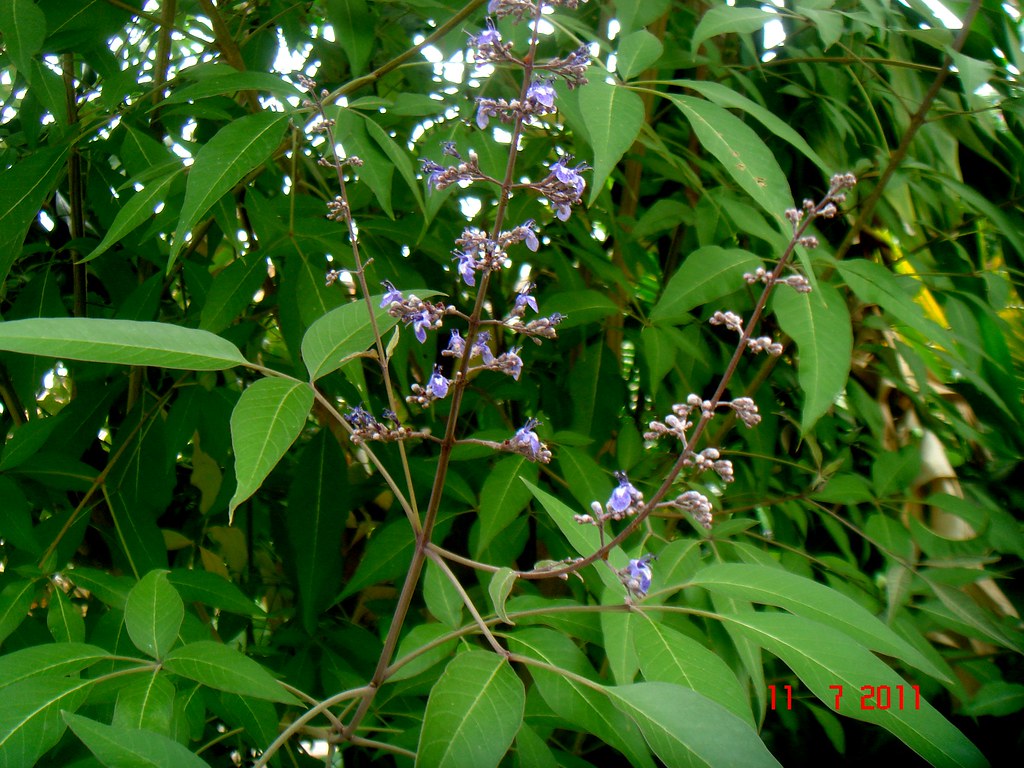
[[871, 697]]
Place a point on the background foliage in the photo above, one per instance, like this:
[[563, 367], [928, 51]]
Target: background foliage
[[874, 508]]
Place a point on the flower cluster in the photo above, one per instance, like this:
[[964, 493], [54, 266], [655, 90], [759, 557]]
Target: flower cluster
[[563, 186], [439, 176], [624, 502], [636, 576], [436, 388], [709, 458], [366, 427], [694, 503], [539, 100], [526, 443], [421, 315]]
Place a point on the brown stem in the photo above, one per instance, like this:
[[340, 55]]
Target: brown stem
[[706, 415], [867, 205], [77, 223], [228, 47], [448, 442]]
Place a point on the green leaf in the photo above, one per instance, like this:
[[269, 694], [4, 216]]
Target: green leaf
[[774, 586], [398, 155], [417, 638], [659, 354], [875, 284], [231, 83], [997, 698], [138, 209], [267, 419], [581, 307], [354, 31], [196, 586], [822, 656], [706, 275], [64, 618], [146, 701], [23, 188], [503, 497], [442, 598], [615, 116], [819, 322], [232, 291], [126, 342], [386, 557], [217, 666], [617, 629], [153, 614], [669, 656], [585, 706], [727, 19], [53, 660], [30, 717], [24, 29], [499, 588], [473, 713], [317, 509], [15, 602], [745, 157], [637, 51], [726, 97], [685, 728], [343, 332], [585, 539], [237, 149], [123, 747]]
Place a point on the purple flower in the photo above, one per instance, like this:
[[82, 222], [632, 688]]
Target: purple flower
[[638, 574], [513, 363], [563, 211], [490, 36], [625, 496], [480, 348], [529, 229], [526, 439], [484, 111], [448, 148], [467, 267], [569, 176], [420, 323], [438, 384], [393, 294], [542, 93], [433, 171], [524, 299], [456, 344]]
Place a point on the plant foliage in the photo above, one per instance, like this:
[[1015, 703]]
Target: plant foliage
[[259, 507]]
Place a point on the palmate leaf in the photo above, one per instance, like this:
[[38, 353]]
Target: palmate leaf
[[671, 657], [53, 660], [120, 746], [774, 586], [264, 423], [685, 728], [30, 716], [583, 705], [23, 188], [615, 115], [237, 149], [822, 657], [217, 666], [153, 614], [743, 154], [819, 322], [125, 342], [708, 274], [473, 713], [345, 331]]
